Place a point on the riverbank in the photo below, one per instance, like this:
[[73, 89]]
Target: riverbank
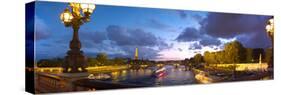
[[204, 75], [98, 69], [86, 84], [101, 69]]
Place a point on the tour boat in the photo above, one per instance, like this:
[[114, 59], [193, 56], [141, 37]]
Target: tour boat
[[161, 72], [99, 76]]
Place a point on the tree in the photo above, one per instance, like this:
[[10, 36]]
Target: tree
[[207, 57], [234, 52], [198, 58], [249, 55], [269, 56], [257, 52], [102, 58], [219, 57], [210, 57], [55, 62], [93, 62], [118, 61]]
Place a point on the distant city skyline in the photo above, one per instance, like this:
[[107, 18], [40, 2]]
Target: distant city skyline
[[159, 34]]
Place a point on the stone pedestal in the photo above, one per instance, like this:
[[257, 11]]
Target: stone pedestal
[[75, 61], [69, 78]]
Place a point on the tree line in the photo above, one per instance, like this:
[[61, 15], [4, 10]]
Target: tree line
[[233, 52], [100, 60]]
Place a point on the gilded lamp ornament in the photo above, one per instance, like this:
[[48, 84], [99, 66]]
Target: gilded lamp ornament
[[270, 27], [76, 15]]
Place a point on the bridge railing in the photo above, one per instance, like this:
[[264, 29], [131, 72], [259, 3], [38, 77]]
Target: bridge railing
[[243, 66], [48, 83]]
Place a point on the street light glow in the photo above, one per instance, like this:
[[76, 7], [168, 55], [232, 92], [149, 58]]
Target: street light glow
[[75, 9], [66, 16], [87, 8], [270, 26]]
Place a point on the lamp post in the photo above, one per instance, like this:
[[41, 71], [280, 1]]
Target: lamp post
[[270, 31], [77, 15], [270, 28]]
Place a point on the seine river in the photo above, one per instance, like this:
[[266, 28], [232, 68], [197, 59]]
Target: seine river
[[144, 77]]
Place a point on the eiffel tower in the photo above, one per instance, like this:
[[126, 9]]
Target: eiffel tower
[[136, 54]]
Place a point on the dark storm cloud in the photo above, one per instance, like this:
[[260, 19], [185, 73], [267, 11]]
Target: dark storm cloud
[[248, 29], [189, 34], [190, 15], [208, 41], [119, 41], [230, 25], [157, 24], [93, 37], [255, 40], [132, 37], [153, 23], [192, 34], [129, 39], [195, 46]]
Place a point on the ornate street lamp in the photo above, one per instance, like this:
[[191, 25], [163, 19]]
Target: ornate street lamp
[[79, 14], [270, 31], [270, 28]]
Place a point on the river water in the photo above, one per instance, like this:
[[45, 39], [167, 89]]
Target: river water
[[144, 77]]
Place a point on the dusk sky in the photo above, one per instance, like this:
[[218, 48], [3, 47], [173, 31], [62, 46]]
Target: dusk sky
[[159, 34]]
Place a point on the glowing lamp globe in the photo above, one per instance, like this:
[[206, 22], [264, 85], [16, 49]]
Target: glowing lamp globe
[[270, 26], [88, 8], [66, 16]]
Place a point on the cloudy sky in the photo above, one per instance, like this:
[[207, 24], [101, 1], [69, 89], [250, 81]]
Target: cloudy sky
[[159, 34]]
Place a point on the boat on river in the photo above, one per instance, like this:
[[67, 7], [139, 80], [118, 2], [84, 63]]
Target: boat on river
[[99, 76], [161, 72], [205, 78]]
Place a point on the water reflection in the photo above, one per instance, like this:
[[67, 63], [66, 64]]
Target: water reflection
[[175, 76]]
